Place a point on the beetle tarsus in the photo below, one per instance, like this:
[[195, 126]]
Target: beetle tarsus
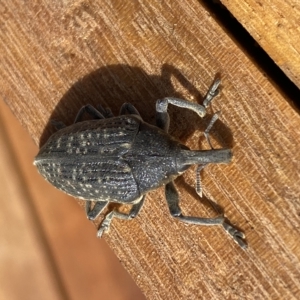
[[135, 209], [103, 229], [212, 92], [238, 236]]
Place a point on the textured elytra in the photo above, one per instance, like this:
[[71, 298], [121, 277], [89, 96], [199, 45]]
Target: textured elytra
[[101, 159], [93, 136], [79, 159]]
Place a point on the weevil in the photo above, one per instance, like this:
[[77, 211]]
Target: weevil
[[121, 158]]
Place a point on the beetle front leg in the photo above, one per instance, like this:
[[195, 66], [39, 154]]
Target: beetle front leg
[[173, 203], [104, 227], [162, 116]]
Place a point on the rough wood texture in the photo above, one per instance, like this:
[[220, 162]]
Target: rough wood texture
[[275, 26], [57, 57]]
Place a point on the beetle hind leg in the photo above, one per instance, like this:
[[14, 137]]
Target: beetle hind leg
[[106, 112], [104, 227], [89, 109], [92, 214], [58, 124], [173, 203]]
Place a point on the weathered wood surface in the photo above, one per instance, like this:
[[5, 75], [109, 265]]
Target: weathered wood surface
[[56, 57], [275, 25]]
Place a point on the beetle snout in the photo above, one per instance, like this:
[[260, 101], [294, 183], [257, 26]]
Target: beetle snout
[[216, 156]]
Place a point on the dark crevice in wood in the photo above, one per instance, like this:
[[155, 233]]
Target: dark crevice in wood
[[253, 50]]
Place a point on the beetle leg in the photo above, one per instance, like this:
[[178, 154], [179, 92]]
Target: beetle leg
[[106, 112], [88, 109], [214, 118], [128, 108], [104, 227], [92, 214], [91, 110], [58, 124], [162, 116], [212, 92], [173, 203]]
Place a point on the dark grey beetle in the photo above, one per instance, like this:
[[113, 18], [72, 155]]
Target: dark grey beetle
[[120, 159]]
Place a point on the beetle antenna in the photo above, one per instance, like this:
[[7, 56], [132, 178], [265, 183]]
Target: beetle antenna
[[200, 191], [198, 179]]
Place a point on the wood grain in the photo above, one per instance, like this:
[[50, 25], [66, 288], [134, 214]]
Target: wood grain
[[275, 27], [58, 56]]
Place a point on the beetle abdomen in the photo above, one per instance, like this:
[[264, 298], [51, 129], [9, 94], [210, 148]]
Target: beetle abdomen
[[85, 159]]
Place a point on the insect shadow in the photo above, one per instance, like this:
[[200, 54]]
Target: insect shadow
[[113, 85]]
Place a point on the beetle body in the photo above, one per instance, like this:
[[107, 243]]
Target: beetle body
[[116, 159], [120, 159]]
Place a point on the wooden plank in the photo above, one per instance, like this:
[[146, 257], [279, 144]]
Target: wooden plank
[[110, 52], [275, 27], [25, 269], [66, 236]]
